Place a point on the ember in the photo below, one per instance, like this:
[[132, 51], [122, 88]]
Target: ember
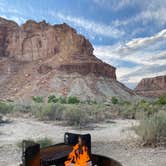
[[80, 155]]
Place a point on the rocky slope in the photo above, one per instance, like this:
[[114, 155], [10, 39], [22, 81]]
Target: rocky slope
[[43, 59], [152, 87]]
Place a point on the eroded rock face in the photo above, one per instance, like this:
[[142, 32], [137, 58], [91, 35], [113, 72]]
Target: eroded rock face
[[37, 41], [99, 69], [32, 54], [152, 87], [6, 27]]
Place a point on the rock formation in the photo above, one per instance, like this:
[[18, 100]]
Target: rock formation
[[43, 59], [152, 87]]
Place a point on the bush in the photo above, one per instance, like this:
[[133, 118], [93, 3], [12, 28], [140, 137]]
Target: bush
[[137, 110], [44, 142], [129, 112], [90, 102], [38, 99], [48, 111], [76, 116], [114, 100], [162, 99], [73, 100], [62, 100], [52, 99], [124, 102], [152, 129], [22, 108], [97, 113], [5, 107]]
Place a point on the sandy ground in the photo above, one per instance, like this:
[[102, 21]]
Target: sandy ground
[[115, 140]]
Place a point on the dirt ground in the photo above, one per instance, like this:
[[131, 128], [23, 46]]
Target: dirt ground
[[114, 139]]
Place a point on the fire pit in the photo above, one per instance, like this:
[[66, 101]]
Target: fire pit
[[60, 154]]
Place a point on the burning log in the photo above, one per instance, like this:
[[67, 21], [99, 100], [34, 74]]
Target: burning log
[[80, 155], [74, 151]]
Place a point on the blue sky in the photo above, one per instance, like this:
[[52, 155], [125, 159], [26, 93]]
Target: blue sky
[[128, 34]]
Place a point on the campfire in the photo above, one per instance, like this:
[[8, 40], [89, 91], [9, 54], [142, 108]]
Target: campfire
[[80, 155], [74, 151]]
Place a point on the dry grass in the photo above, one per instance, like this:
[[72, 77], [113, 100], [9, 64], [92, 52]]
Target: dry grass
[[152, 130]]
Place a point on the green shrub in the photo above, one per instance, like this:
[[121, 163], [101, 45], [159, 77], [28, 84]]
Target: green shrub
[[38, 99], [124, 102], [22, 108], [147, 107], [162, 99], [6, 107], [97, 113], [114, 100], [52, 99], [48, 111], [62, 100], [91, 102], [128, 111], [76, 116], [137, 110], [44, 142], [73, 100], [152, 129]]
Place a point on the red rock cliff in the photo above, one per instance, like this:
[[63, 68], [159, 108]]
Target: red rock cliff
[[39, 59], [152, 87], [59, 44]]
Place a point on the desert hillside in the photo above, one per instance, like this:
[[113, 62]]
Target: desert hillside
[[152, 87], [43, 59]]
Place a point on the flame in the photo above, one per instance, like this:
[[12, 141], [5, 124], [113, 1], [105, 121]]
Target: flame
[[77, 158]]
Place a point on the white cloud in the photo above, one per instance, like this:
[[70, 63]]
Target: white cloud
[[149, 11], [143, 72], [18, 19], [91, 26], [6, 8], [139, 42], [11, 13], [114, 4], [146, 53], [157, 16]]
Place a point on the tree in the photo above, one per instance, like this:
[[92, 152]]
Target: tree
[[52, 99], [62, 100], [162, 99], [37, 99], [73, 100], [114, 100]]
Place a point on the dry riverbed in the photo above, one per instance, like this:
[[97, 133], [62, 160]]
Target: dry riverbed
[[114, 139]]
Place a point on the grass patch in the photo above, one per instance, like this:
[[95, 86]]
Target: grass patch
[[76, 116], [6, 107], [48, 111], [152, 130], [44, 142]]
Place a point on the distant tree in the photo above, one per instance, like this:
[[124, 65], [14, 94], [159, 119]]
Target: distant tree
[[94, 102], [114, 100], [52, 99], [73, 100], [62, 100], [162, 99], [38, 99], [143, 101]]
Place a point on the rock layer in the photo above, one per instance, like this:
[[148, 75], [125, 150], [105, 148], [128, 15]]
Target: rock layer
[[34, 54], [36, 41], [152, 87]]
